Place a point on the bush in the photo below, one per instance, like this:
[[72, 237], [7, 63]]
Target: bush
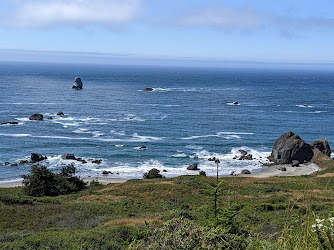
[[42, 182], [152, 174], [95, 183], [202, 173], [181, 233]]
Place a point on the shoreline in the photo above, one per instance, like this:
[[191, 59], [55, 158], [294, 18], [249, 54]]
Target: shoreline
[[265, 172], [102, 180], [271, 171]]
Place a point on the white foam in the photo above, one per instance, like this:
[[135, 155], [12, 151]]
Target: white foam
[[180, 155], [23, 119], [108, 139], [15, 135], [57, 161], [59, 137], [304, 106], [317, 112], [122, 133], [82, 131], [226, 135], [97, 133], [141, 138], [229, 164]]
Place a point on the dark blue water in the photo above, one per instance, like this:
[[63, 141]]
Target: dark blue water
[[186, 119]]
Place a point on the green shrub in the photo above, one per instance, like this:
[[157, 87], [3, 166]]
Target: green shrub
[[95, 183], [181, 233], [152, 174], [202, 173], [42, 182]]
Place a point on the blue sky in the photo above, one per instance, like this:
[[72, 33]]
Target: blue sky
[[295, 31]]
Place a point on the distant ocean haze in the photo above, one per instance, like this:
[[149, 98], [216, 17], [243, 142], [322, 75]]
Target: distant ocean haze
[[187, 118]]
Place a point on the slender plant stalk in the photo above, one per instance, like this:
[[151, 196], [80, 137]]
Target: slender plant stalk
[[217, 161]]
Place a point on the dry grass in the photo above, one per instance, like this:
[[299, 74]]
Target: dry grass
[[325, 175], [133, 221], [102, 199]]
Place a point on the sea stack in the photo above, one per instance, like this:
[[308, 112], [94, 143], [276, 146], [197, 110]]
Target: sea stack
[[77, 83], [290, 147]]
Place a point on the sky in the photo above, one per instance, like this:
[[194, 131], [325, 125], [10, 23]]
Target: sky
[[285, 31]]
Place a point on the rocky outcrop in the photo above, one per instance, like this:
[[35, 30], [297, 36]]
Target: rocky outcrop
[[77, 83], [23, 162], [193, 167], [148, 89], [37, 157], [81, 160], [245, 171], [290, 147], [244, 156], [98, 161], [36, 117], [321, 160], [105, 172], [60, 113], [322, 145], [9, 123], [295, 163], [68, 157], [235, 103], [142, 147]]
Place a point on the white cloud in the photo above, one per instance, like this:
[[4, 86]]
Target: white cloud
[[226, 18], [41, 13]]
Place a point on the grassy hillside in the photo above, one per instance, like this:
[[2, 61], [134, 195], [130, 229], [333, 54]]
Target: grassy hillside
[[178, 213]]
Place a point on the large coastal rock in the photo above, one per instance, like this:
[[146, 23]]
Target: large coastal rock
[[322, 145], [36, 117], [290, 147], [37, 157], [77, 83]]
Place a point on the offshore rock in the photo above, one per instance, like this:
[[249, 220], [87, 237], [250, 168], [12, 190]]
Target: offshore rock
[[60, 113], [9, 123], [77, 83], [37, 157], [290, 147], [322, 145], [68, 157], [148, 89], [36, 117], [193, 167]]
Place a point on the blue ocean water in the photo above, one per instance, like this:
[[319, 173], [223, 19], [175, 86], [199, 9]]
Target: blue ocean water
[[188, 118]]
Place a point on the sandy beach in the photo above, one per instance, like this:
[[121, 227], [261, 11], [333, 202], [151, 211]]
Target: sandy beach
[[303, 169], [103, 181]]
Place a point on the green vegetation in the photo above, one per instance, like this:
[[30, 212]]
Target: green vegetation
[[152, 174], [177, 213], [42, 182]]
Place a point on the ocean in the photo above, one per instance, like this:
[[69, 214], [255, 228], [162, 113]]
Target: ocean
[[187, 118]]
